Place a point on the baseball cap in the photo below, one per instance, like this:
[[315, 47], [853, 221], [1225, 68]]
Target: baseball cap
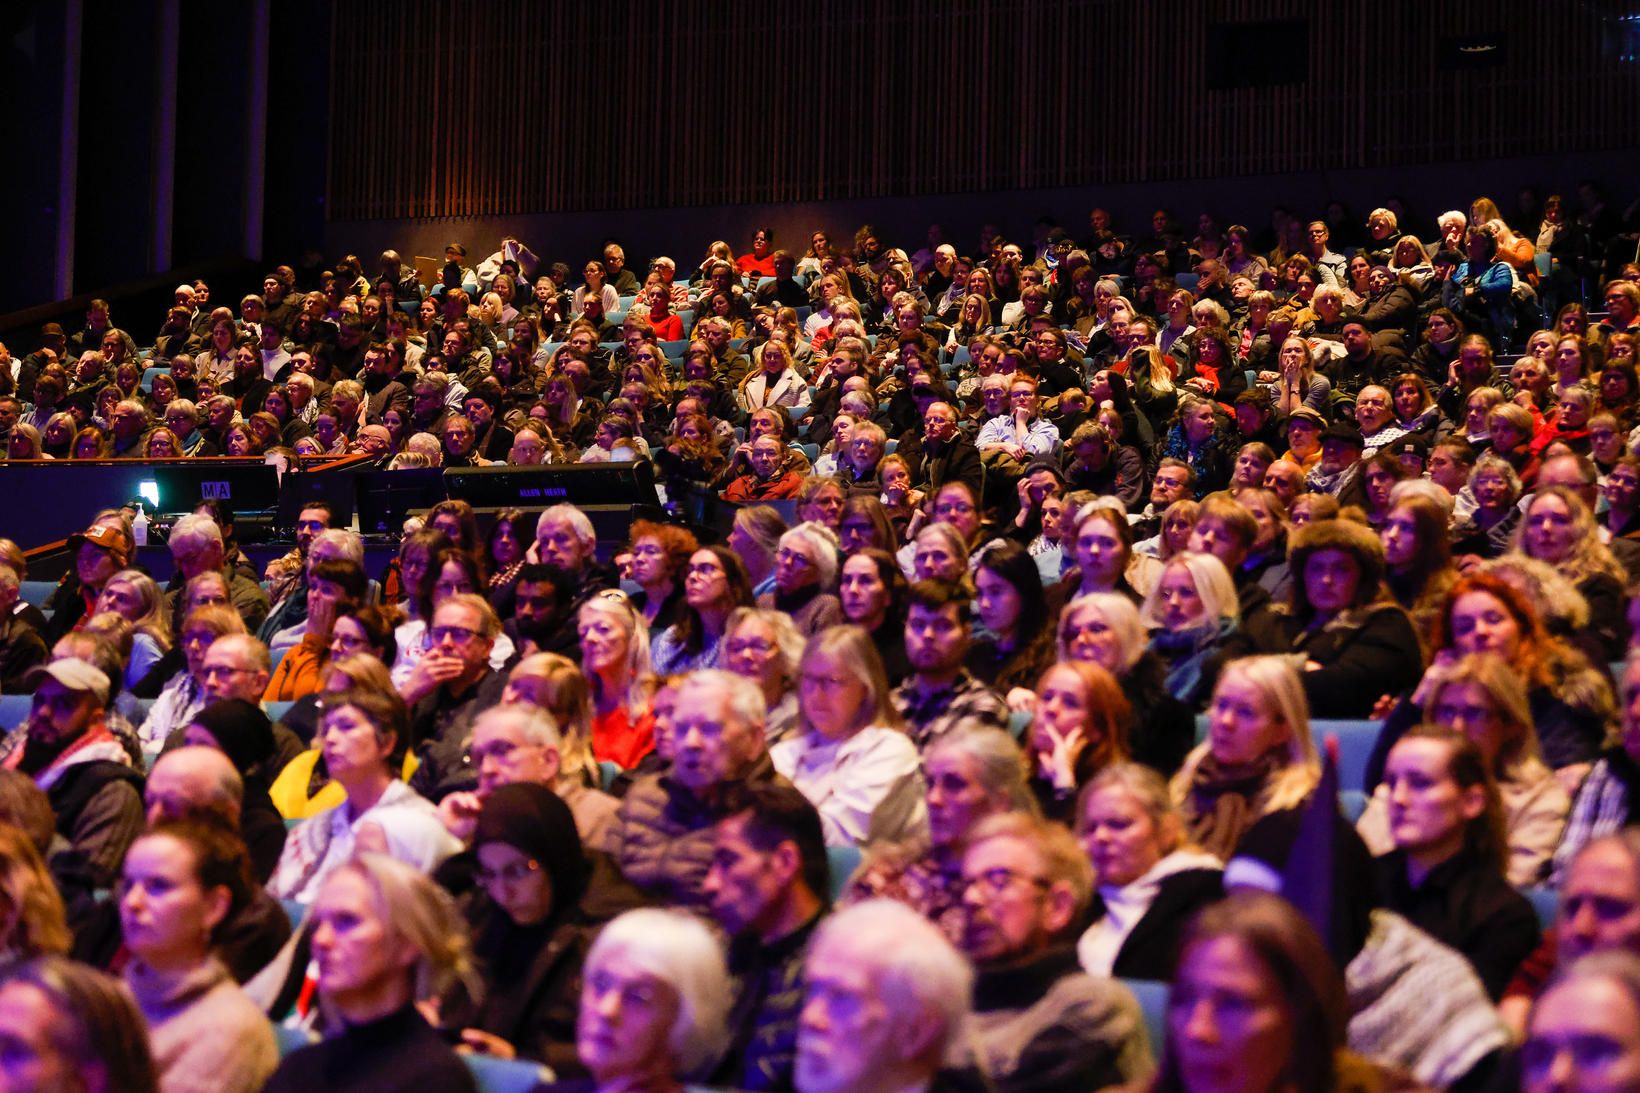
[[51, 330], [99, 535], [458, 248], [73, 673]]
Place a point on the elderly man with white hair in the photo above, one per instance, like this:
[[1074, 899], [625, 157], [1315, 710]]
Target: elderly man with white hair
[[564, 537], [887, 997], [664, 836], [805, 575], [520, 742], [196, 547]]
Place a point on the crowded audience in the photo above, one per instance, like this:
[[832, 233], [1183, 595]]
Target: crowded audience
[[1195, 658]]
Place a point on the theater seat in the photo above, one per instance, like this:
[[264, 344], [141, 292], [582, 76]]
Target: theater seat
[[494, 1075], [843, 860], [13, 709], [1546, 902], [277, 710], [1152, 995], [296, 911], [608, 771], [1356, 740], [292, 1039], [1018, 722], [36, 592]]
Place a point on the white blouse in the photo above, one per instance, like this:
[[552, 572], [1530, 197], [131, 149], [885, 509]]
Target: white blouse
[[850, 781]]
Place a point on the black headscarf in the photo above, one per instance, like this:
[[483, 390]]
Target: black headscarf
[[535, 821], [241, 730]]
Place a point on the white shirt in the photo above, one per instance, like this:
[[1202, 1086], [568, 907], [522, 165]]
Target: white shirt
[[408, 822], [849, 780]]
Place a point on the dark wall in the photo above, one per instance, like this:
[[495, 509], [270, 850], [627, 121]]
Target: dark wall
[[31, 50], [120, 130], [1427, 192]]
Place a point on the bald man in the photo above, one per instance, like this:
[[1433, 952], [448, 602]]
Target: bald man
[[201, 783]]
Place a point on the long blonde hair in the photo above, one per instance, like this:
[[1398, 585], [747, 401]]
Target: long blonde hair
[[568, 699], [1281, 692]]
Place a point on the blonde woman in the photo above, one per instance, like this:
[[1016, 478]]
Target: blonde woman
[[384, 937], [851, 757], [1149, 876], [1194, 615], [776, 383], [615, 658], [1258, 757], [1482, 697], [1558, 529], [557, 685], [134, 597]]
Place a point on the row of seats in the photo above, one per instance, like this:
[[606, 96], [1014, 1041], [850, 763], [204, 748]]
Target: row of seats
[[490, 1074]]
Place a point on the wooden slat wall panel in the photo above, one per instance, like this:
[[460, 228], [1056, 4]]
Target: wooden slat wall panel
[[464, 108]]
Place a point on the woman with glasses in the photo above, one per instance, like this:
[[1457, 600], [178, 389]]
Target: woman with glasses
[[336, 589], [362, 737], [764, 646], [529, 937], [714, 584], [1482, 698], [181, 882], [185, 695], [805, 575], [851, 758]]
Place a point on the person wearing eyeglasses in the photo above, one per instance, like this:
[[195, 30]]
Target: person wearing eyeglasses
[[451, 684], [1040, 1022], [529, 935]]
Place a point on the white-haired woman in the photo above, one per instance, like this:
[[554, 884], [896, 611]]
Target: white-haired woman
[[805, 574], [851, 757], [384, 937], [1258, 757], [765, 646], [655, 998], [1193, 615], [972, 773]]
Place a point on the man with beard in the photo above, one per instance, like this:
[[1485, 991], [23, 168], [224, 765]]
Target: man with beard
[[70, 753]]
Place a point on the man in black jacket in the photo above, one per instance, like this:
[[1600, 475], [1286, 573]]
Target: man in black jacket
[[940, 453]]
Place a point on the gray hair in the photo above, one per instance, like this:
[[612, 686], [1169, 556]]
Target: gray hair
[[821, 544], [535, 723], [347, 541], [1118, 613], [1422, 487], [743, 697], [681, 952], [787, 637], [227, 786], [912, 964], [998, 761], [577, 521], [195, 528]]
